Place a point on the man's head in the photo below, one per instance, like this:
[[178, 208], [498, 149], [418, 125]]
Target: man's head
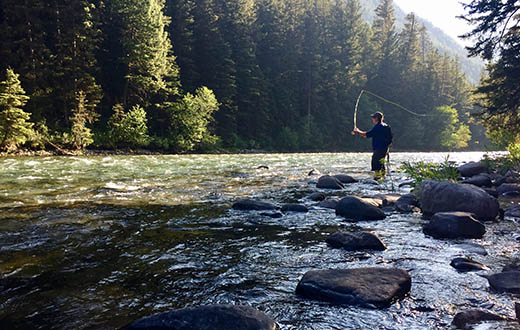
[[377, 117]]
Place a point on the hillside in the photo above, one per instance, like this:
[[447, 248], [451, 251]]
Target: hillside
[[471, 66]]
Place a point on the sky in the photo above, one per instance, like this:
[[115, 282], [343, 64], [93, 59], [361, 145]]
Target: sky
[[441, 13]]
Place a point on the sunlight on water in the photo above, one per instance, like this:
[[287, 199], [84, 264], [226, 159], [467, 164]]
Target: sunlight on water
[[96, 242]]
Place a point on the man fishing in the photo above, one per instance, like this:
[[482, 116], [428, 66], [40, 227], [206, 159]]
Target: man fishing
[[381, 135]]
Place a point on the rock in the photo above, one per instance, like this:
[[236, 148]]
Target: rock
[[505, 282], [386, 199], [517, 311], [373, 201], [454, 225], [499, 181], [508, 187], [253, 205], [511, 194], [370, 182], [329, 182], [450, 197], [406, 183], [467, 265], [295, 208], [317, 197], [212, 317], [513, 212], [463, 319], [471, 169], [274, 215], [491, 192], [343, 178], [314, 172], [406, 203], [511, 268], [356, 241], [356, 208], [367, 287], [329, 204], [479, 181], [262, 167]]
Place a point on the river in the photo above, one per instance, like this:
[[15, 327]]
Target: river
[[97, 242]]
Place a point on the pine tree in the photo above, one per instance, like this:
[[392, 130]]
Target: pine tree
[[14, 126], [81, 135]]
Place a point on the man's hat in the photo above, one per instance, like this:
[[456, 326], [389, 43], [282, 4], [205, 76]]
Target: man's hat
[[378, 115]]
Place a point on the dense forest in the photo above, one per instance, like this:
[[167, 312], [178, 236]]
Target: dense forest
[[205, 75]]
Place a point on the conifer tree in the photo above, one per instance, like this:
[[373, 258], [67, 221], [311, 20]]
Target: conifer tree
[[81, 135]]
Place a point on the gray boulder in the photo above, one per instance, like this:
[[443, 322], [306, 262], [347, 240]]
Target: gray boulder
[[358, 209], [329, 182], [463, 319], [505, 281], [471, 169], [212, 317], [343, 178], [356, 241], [367, 287], [450, 197], [479, 181], [454, 225], [295, 208], [467, 265], [508, 187], [253, 205]]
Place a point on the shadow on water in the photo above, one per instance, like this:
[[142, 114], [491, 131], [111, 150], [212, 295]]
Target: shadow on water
[[125, 237]]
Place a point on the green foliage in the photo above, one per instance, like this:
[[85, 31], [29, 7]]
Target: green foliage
[[453, 134], [129, 129], [511, 143], [288, 139], [190, 118], [14, 126], [420, 171], [80, 135]]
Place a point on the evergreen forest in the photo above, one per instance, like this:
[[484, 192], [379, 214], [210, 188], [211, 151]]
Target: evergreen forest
[[223, 75]]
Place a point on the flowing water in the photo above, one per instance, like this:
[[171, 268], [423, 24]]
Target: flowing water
[[97, 242]]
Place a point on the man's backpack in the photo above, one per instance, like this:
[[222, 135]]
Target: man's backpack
[[389, 137]]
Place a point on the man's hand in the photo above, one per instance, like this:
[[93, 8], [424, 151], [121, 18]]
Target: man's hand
[[356, 131]]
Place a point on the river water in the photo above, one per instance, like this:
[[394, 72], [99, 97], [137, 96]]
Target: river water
[[97, 242]]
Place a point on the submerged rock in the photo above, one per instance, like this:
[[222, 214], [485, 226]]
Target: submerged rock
[[454, 225], [317, 197], [449, 197], [471, 169], [212, 317], [473, 248], [295, 208], [513, 212], [463, 319], [253, 205], [274, 215], [505, 281], [343, 178], [367, 287], [329, 182], [467, 265], [356, 241], [358, 209]]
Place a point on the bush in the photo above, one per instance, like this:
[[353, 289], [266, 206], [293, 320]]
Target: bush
[[129, 129], [420, 171]]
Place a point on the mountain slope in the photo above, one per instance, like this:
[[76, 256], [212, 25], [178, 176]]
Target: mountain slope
[[473, 67]]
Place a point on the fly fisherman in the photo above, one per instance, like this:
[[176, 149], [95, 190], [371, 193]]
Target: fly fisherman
[[381, 136]]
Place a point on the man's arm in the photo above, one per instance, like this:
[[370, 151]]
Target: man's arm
[[359, 132]]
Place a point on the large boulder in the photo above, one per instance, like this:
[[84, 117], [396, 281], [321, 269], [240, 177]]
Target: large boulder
[[508, 187], [343, 178], [479, 181], [212, 317], [450, 197], [454, 225], [367, 287], [359, 209], [471, 169], [253, 205], [463, 319], [329, 182], [356, 241], [505, 281]]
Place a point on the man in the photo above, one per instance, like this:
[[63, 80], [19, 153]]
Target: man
[[381, 136]]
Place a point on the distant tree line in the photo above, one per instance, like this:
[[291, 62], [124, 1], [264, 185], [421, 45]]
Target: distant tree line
[[185, 75]]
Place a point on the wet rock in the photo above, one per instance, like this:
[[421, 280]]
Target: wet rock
[[274, 215], [508, 187], [406, 203], [450, 197], [343, 178], [454, 225], [329, 203], [511, 194], [329, 182], [505, 282], [253, 205], [314, 172], [367, 287], [386, 199], [513, 212], [517, 311], [471, 169], [358, 209], [491, 192], [373, 201], [499, 181], [467, 265], [463, 319], [262, 167], [317, 197], [356, 241], [212, 317], [511, 268], [295, 208], [479, 181]]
